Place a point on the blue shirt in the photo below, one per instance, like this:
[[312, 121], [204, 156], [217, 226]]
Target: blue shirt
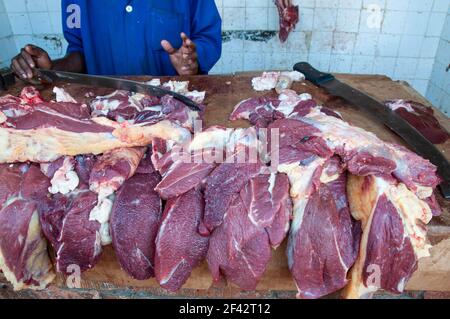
[[123, 37]]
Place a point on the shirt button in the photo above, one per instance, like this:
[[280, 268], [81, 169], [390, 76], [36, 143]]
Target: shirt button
[[129, 9]]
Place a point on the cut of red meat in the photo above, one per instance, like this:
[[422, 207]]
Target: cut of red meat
[[393, 221], [135, 221], [23, 249], [256, 219], [112, 169], [422, 118], [179, 246], [288, 17], [221, 186]]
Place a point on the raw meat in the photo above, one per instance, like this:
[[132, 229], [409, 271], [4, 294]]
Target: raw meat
[[47, 144], [256, 219], [179, 246], [271, 80], [135, 221], [422, 118], [315, 150], [66, 224], [23, 249], [393, 220], [288, 17]]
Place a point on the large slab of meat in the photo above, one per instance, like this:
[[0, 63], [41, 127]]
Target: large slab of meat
[[125, 170], [289, 17]]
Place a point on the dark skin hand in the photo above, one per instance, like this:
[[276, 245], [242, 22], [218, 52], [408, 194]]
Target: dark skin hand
[[31, 57], [184, 59]]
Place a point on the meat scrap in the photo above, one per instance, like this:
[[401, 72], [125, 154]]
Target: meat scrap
[[288, 17], [135, 220], [422, 118], [335, 169], [23, 249]]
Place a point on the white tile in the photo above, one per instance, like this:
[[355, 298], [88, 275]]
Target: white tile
[[56, 21], [5, 27], [233, 19], [327, 4], [362, 64], [40, 22], [446, 32], [436, 24], [400, 5], [352, 4], [274, 19], [424, 69], [421, 5], [340, 63], [434, 94], [320, 61], [232, 62], [416, 23], [7, 52], [321, 42], [343, 43], [384, 66], [441, 5], [429, 47], [371, 21], [36, 6], [55, 5], [254, 62], [366, 44], [388, 44], [20, 24], [438, 74], [304, 3], [371, 4], [256, 18], [234, 45], [421, 86], [256, 3], [297, 43], [405, 68], [410, 46], [22, 40], [15, 6], [325, 19], [306, 19], [393, 22], [348, 20], [443, 52], [233, 3]]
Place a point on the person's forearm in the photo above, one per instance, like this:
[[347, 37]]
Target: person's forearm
[[72, 62]]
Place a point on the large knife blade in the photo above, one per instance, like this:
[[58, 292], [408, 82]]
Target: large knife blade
[[384, 115], [114, 83]]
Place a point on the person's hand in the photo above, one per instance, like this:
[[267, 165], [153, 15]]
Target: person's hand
[[30, 57], [184, 60]]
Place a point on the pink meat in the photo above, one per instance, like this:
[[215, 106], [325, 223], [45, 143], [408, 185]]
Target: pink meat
[[179, 246]]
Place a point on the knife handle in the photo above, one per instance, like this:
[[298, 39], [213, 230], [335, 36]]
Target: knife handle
[[312, 74], [444, 187], [6, 79]]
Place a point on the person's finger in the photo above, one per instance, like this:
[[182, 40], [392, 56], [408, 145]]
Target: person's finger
[[27, 57], [25, 67], [18, 69], [190, 44], [34, 50], [168, 47]]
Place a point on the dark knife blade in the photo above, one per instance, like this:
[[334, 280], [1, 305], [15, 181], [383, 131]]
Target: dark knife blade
[[114, 83], [384, 115]]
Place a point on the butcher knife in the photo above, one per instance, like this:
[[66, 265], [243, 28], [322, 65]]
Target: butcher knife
[[384, 115], [50, 76]]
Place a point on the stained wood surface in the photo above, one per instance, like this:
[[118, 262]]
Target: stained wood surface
[[223, 93]]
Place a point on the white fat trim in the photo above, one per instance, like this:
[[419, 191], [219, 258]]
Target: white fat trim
[[63, 96], [65, 178]]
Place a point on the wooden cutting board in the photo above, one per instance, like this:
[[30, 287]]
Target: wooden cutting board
[[223, 93]]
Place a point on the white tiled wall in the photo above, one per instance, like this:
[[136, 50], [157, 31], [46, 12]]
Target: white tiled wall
[[399, 38], [439, 88], [7, 45]]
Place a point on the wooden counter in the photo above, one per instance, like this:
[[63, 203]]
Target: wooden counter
[[223, 93]]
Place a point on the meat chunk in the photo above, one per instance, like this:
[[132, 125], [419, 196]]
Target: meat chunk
[[393, 220], [256, 219], [23, 249], [179, 246], [288, 17], [135, 220]]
